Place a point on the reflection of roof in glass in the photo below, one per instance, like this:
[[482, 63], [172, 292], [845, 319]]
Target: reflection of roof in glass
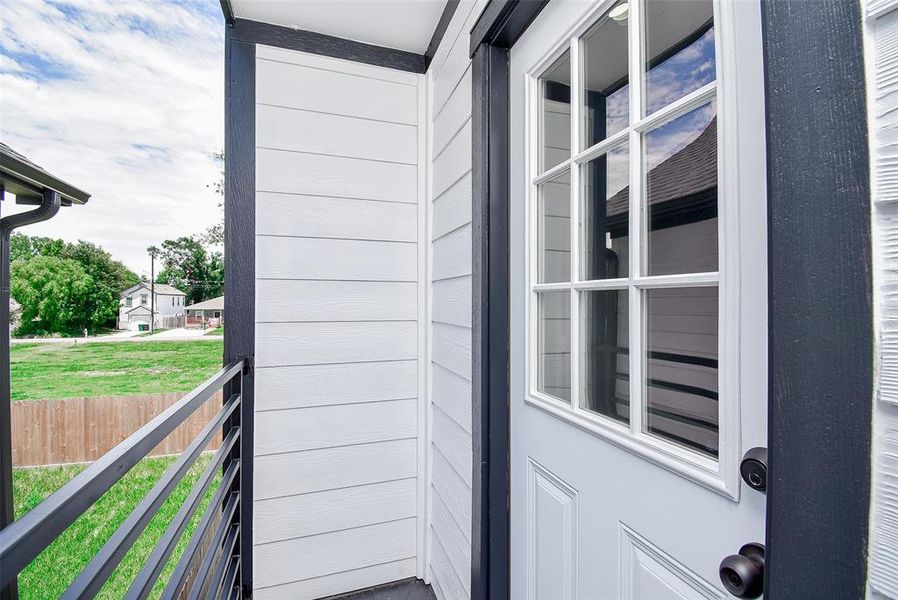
[[690, 171]]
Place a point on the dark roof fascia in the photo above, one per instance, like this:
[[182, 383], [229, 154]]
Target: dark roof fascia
[[439, 31], [503, 21], [256, 32], [228, 11], [27, 174], [336, 47]]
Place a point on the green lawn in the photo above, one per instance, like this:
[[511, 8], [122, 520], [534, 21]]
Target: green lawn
[[57, 566], [42, 371], [216, 331]]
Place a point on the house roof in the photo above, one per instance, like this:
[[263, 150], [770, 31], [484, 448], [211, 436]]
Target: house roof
[[139, 307], [210, 304], [669, 180], [22, 177], [162, 289]]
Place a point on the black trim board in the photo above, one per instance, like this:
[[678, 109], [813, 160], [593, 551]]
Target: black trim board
[[280, 36], [255, 32], [439, 31], [820, 300], [503, 21], [240, 264], [490, 326]]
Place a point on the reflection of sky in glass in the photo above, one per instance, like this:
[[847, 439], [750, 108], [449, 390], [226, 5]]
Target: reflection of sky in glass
[[618, 172], [686, 71], [617, 110], [670, 138]]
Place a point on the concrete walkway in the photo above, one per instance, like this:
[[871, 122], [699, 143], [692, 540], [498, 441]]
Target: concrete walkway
[[170, 335]]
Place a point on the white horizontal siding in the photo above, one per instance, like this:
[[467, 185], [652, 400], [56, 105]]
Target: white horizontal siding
[[304, 258], [323, 216], [320, 512], [450, 79], [337, 308], [320, 555], [278, 475]]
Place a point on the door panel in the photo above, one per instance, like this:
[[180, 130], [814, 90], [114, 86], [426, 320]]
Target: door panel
[[638, 297]]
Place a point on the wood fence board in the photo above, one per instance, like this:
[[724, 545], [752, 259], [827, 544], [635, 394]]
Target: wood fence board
[[78, 430]]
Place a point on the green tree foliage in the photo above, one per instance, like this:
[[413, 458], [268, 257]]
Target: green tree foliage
[[192, 268], [58, 295], [107, 278]]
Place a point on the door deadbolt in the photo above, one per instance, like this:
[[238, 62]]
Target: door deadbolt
[[754, 469], [743, 574]]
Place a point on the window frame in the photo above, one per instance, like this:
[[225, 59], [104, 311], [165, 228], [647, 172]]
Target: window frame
[[721, 474]]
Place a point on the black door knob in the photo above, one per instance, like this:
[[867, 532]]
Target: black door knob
[[743, 574]]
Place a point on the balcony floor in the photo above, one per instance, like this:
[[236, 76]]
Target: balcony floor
[[407, 589]]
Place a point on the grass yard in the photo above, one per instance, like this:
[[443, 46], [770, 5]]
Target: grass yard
[[42, 371], [216, 331], [57, 566]]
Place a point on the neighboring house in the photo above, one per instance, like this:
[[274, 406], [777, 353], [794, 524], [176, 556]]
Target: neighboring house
[[135, 309], [208, 312]]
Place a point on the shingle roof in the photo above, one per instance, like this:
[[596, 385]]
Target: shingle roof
[[210, 304], [690, 171], [27, 180], [163, 289]]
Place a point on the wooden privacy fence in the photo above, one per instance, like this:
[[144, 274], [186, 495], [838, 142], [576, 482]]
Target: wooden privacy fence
[[77, 430]]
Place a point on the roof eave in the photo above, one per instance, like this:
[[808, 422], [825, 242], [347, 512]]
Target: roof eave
[[31, 176]]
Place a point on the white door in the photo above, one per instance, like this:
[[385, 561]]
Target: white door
[[638, 277]]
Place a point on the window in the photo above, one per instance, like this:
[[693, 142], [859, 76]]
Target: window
[[128, 301], [144, 298], [625, 270]]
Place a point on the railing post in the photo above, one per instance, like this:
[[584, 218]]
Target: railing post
[[240, 268]]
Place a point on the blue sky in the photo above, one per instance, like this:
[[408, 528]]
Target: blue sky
[[123, 98]]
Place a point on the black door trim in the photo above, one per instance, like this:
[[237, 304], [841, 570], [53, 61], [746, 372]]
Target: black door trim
[[820, 298]]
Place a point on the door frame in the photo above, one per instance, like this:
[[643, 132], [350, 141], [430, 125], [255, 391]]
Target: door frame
[[819, 297]]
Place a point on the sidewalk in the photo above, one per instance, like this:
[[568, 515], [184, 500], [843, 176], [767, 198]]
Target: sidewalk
[[170, 335]]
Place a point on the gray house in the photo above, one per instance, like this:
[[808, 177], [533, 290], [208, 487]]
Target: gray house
[[543, 300]]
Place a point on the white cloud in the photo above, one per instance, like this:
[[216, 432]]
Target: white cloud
[[124, 99]]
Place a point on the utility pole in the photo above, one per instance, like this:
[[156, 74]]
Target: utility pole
[[153, 250]]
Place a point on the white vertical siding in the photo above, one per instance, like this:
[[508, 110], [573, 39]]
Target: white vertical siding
[[337, 308], [882, 92], [449, 160]]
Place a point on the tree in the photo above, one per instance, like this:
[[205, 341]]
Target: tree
[[108, 275], [188, 266], [58, 295]]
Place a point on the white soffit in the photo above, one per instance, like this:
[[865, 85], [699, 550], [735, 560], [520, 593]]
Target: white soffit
[[401, 24]]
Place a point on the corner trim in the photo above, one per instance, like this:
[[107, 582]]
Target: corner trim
[[240, 267], [255, 32]]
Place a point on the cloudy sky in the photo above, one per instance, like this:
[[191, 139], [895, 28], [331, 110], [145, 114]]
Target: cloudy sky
[[124, 99]]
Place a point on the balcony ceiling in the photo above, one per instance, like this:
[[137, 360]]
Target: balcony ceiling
[[400, 24]]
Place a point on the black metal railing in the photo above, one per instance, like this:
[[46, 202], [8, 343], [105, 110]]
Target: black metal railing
[[218, 550]]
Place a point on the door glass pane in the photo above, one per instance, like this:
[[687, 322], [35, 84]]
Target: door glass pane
[[555, 129], [679, 49], [681, 195], [554, 344], [681, 366], [554, 230], [605, 361], [606, 87], [606, 210]]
